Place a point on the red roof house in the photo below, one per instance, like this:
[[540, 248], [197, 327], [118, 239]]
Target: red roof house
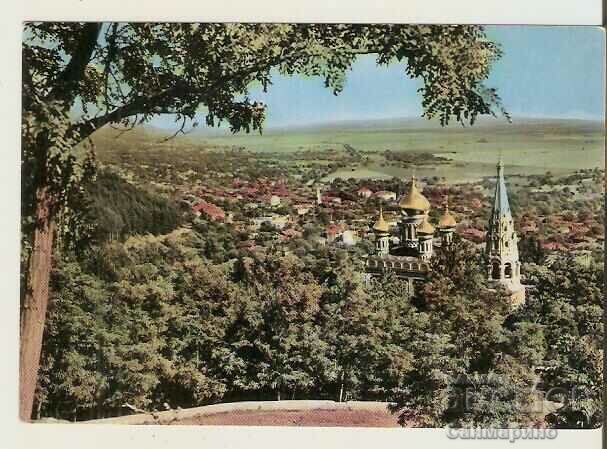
[[209, 209]]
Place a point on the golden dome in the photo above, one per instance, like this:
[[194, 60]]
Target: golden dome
[[414, 199], [425, 227], [381, 225], [446, 220]]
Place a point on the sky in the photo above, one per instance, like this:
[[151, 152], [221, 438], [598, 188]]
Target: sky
[[544, 72]]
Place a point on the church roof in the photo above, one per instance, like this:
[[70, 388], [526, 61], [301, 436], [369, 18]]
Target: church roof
[[381, 225], [425, 227], [414, 199], [446, 220], [501, 205]]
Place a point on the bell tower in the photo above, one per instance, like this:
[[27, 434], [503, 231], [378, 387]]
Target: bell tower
[[382, 235], [503, 266]]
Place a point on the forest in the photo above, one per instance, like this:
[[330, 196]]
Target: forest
[[159, 321]]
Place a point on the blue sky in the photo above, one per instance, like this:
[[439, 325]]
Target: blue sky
[[544, 72]]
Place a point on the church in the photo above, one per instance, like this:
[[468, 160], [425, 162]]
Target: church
[[410, 258]]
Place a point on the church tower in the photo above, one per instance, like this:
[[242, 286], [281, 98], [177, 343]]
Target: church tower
[[414, 206], [446, 226], [425, 234], [382, 235], [503, 266]]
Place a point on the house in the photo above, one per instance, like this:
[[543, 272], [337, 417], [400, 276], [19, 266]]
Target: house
[[328, 198], [274, 201], [290, 234], [209, 209], [473, 234], [280, 189], [302, 209], [553, 246], [476, 203], [349, 238], [333, 231], [385, 195], [364, 192], [278, 221]]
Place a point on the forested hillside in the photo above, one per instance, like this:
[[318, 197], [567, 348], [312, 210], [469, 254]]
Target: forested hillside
[[152, 321], [119, 209]]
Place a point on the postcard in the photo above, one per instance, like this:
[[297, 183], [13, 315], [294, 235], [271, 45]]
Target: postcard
[[313, 225]]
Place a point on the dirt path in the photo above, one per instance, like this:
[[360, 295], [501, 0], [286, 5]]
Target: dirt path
[[302, 418], [305, 413]]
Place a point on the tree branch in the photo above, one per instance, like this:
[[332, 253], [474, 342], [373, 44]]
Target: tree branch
[[143, 105], [74, 71], [110, 36]]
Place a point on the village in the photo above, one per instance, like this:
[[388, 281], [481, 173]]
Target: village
[[560, 215]]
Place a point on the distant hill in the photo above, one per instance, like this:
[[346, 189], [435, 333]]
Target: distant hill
[[533, 145], [418, 123], [147, 133], [489, 136], [139, 137]]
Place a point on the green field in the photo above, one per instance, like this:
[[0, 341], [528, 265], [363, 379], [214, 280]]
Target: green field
[[527, 146]]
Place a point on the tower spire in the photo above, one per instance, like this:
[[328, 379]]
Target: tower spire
[[501, 245], [501, 206]]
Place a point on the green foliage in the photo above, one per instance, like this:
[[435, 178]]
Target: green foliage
[[125, 73], [565, 312], [466, 368], [149, 68], [70, 375], [118, 209], [530, 250], [55, 178], [289, 344], [153, 320]]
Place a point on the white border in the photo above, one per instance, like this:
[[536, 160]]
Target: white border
[[549, 12], [18, 435]]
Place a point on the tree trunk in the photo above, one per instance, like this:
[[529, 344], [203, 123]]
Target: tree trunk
[[33, 311], [35, 299]]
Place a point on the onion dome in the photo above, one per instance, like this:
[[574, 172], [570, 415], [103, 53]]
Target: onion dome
[[446, 220], [425, 227], [381, 225], [414, 200]]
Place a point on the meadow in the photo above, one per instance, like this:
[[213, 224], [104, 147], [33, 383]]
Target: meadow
[[527, 146]]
